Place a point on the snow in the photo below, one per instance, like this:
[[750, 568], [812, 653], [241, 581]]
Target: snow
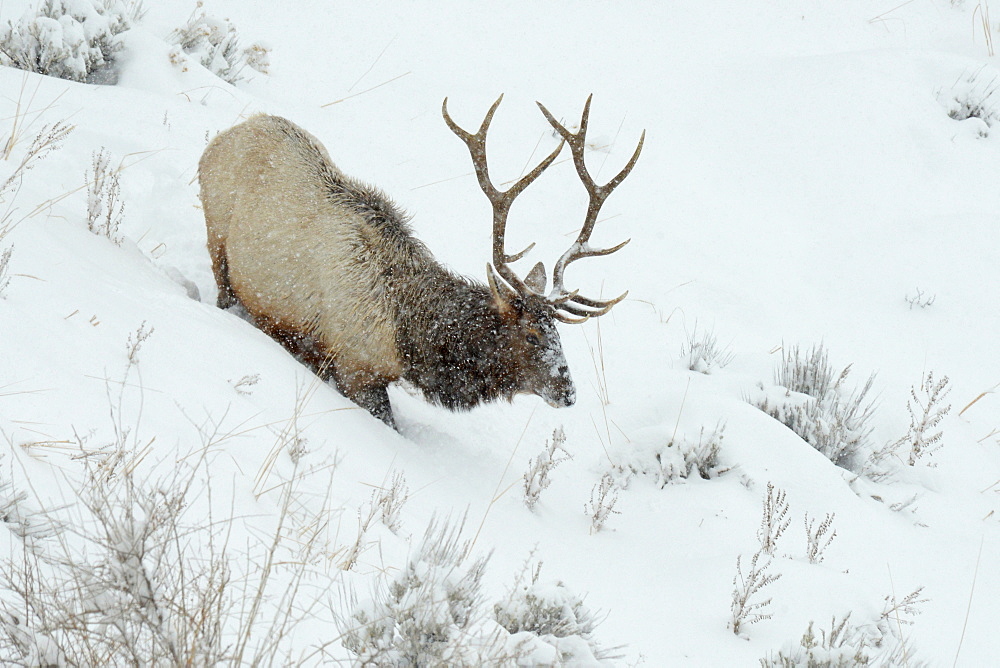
[[801, 179]]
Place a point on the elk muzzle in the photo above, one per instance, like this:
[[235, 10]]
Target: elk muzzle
[[559, 391]]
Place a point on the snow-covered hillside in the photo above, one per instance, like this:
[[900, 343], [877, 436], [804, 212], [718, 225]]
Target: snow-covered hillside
[[814, 174]]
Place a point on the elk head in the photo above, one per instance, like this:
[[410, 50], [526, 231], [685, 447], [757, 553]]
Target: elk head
[[528, 314]]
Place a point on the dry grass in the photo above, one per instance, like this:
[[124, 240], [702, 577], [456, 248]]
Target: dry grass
[[123, 573], [982, 13], [982, 394], [25, 116]]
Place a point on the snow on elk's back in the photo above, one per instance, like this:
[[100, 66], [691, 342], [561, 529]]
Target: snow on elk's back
[[782, 448]]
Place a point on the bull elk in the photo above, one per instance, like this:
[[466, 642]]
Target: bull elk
[[329, 267]]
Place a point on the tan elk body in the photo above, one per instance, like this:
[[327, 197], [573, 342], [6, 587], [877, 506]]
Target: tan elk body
[[329, 267]]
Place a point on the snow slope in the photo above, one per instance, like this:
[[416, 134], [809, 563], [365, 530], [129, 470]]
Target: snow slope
[[801, 179]]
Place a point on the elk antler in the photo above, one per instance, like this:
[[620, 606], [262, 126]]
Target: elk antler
[[501, 200], [571, 302]]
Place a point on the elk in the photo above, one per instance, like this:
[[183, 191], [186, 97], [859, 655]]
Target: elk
[[329, 267]]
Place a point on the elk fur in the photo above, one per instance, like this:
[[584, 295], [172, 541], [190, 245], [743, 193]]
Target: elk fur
[[329, 267]]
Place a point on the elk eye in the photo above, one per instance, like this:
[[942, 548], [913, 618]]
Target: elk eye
[[532, 339]]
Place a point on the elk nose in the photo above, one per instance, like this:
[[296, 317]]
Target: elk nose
[[568, 394], [565, 395], [569, 398]]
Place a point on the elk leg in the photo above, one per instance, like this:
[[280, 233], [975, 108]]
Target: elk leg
[[220, 267], [366, 390], [375, 400]]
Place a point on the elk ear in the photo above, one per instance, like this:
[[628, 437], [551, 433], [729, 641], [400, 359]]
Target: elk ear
[[536, 279], [503, 296]]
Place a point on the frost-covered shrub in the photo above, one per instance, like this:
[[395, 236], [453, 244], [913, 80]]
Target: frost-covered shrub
[[390, 501], [927, 409], [536, 478], [550, 613], [48, 139], [69, 39], [843, 645], [774, 520], [679, 458], [433, 612], [5, 254], [104, 203], [973, 95], [746, 606], [702, 352], [132, 573], [119, 584], [603, 499], [215, 44], [818, 537], [817, 407]]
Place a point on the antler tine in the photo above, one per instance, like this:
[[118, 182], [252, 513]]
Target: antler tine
[[576, 310], [477, 145], [500, 200], [598, 194], [570, 321]]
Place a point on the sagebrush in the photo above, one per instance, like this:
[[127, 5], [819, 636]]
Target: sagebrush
[[819, 408], [774, 519], [536, 478], [679, 458], [125, 575], [215, 44], [973, 95], [434, 612], [69, 39], [105, 207], [818, 537], [603, 499], [48, 139], [746, 605], [927, 409], [877, 643], [702, 352]]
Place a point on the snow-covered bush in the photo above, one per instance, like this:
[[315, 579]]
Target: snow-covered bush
[[675, 459], [536, 478], [840, 647], [927, 409], [816, 406], [120, 584], [69, 39], [702, 352], [774, 519], [815, 535], [104, 203], [433, 613], [844, 645], [390, 501], [973, 95], [603, 499], [746, 606], [214, 43], [135, 341], [5, 254], [387, 501], [430, 613], [130, 573], [920, 299], [550, 613], [48, 139]]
